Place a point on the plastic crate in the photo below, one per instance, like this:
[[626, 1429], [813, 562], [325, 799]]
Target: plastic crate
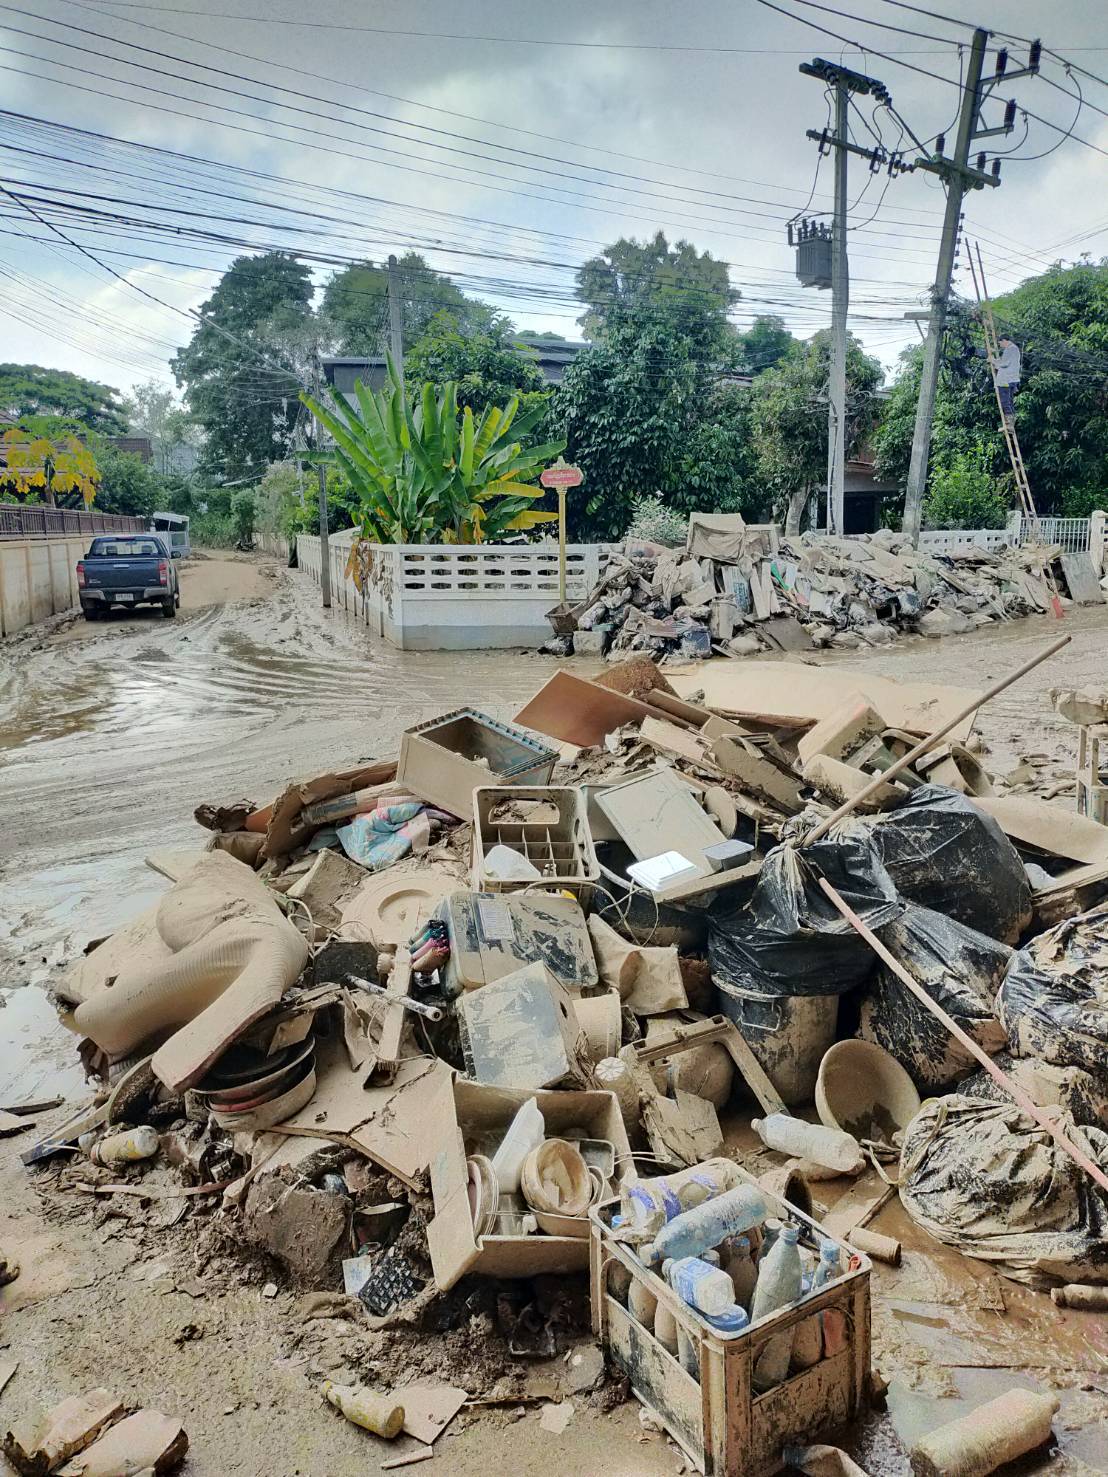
[[725, 1427], [558, 846]]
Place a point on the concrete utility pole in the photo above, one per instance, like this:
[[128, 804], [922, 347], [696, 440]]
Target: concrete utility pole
[[840, 305], [396, 318], [844, 81], [324, 530], [959, 176]]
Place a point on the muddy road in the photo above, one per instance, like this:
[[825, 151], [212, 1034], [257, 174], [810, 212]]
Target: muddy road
[[110, 735]]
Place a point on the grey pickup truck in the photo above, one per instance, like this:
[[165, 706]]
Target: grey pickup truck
[[127, 569]]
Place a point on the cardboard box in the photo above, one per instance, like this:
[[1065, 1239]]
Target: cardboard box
[[471, 1118], [447, 758]]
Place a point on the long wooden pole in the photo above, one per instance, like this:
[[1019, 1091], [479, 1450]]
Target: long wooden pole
[[929, 742], [1017, 1093]]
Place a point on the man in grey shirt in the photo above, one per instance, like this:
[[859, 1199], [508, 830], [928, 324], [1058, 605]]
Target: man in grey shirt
[[1008, 377]]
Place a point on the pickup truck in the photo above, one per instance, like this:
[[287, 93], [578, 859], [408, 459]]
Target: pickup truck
[[127, 569]]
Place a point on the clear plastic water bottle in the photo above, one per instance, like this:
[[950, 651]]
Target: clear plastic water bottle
[[707, 1225], [741, 1270], [706, 1288], [780, 1275]]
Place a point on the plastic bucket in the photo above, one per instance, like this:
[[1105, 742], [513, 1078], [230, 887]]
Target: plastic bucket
[[789, 1035], [865, 1091]]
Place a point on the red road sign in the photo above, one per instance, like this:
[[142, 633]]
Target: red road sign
[[562, 477]]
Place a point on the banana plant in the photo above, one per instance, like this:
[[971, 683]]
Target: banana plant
[[424, 474]]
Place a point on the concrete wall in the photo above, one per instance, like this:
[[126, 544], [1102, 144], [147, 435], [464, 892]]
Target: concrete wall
[[38, 579]]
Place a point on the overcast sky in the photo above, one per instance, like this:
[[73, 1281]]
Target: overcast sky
[[511, 160]]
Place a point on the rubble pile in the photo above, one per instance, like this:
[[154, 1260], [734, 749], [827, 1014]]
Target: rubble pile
[[428, 1036], [737, 589]]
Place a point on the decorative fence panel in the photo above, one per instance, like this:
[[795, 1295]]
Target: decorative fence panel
[[37, 520]]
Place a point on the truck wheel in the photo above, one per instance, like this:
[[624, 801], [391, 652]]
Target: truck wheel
[[91, 613], [177, 597], [169, 608]]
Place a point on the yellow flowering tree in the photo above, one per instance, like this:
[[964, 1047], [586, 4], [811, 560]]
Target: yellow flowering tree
[[40, 468]]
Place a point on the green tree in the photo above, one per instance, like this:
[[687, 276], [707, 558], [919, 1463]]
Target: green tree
[[485, 364], [965, 494], [153, 410], [425, 474], [28, 390], [631, 284], [127, 483], [355, 302], [789, 421], [238, 384], [765, 343]]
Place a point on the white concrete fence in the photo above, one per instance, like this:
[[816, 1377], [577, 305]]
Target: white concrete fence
[[444, 597]]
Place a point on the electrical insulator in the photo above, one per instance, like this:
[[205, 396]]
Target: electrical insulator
[[940, 144], [1010, 113], [1034, 56], [1001, 62], [996, 169], [980, 164]]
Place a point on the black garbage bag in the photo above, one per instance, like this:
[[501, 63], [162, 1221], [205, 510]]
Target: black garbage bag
[[789, 939], [944, 853], [960, 969]]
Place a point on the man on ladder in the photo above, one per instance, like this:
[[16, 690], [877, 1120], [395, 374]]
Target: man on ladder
[[1007, 378]]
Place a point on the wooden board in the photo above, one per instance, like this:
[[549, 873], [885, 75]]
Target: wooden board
[[578, 712], [799, 694]]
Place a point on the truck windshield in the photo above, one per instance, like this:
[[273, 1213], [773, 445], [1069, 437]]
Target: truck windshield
[[108, 548]]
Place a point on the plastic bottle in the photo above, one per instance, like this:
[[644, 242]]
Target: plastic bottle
[[808, 1338], [694, 1231], [704, 1287], [366, 1408], [987, 1438], [821, 1461], [829, 1146], [732, 1320], [526, 1132], [641, 1302], [779, 1283], [649, 1203], [128, 1147], [688, 1352], [665, 1328], [616, 1077], [833, 1320], [770, 1232], [741, 1270], [779, 1275]]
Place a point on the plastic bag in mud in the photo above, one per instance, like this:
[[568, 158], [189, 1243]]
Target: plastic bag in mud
[[790, 939], [983, 1177], [1054, 999], [944, 853], [960, 969]]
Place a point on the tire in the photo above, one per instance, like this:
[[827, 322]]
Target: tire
[[90, 612], [169, 608], [177, 597]]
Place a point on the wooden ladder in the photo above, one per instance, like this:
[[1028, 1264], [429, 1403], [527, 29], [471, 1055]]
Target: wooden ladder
[[1008, 424]]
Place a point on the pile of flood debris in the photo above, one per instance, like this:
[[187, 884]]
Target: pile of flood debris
[[435, 1033], [739, 588]]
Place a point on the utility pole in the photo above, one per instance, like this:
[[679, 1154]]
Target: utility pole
[[324, 530], [396, 318], [840, 304], [959, 176], [844, 81]]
